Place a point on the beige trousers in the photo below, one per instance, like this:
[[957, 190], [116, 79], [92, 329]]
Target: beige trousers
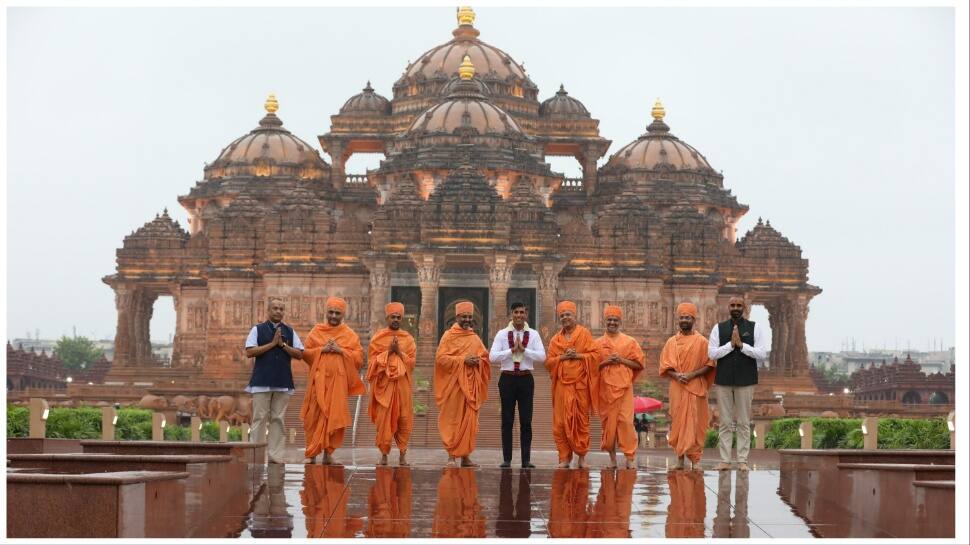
[[734, 410], [268, 411]]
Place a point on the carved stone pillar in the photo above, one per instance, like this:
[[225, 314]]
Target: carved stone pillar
[[499, 277], [380, 293], [589, 174], [548, 276], [429, 272], [124, 297], [141, 346], [798, 345]]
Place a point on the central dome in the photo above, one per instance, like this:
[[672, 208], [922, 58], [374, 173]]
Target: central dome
[[492, 62], [658, 149], [465, 108]]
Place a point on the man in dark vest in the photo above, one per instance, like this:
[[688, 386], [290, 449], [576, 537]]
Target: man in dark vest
[[736, 376], [273, 344]]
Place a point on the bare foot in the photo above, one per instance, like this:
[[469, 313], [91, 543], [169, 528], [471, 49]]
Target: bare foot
[[612, 461], [327, 459], [383, 461], [308, 461], [581, 464], [723, 466], [564, 465], [631, 463], [467, 462], [452, 463], [403, 460]]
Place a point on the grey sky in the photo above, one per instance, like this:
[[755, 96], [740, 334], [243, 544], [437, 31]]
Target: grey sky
[[835, 124]]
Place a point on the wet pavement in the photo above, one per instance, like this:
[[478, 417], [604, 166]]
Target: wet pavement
[[358, 499]]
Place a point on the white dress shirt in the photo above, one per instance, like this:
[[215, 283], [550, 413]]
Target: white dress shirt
[[502, 353], [716, 351]]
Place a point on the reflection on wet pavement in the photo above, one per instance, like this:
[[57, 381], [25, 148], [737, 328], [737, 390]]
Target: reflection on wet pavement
[[425, 501]]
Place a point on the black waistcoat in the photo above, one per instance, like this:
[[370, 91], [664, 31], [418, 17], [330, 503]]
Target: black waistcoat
[[273, 367], [736, 368]]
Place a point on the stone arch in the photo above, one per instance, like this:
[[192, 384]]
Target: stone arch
[[912, 397], [939, 398]]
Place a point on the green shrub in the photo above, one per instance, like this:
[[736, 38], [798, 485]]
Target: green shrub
[[177, 433], [783, 434], [18, 421], [134, 425], [834, 432], [210, 431], [79, 423], [902, 433], [235, 434]]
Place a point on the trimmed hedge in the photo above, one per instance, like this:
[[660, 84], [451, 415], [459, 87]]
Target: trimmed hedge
[[18, 421], [846, 433], [85, 423]]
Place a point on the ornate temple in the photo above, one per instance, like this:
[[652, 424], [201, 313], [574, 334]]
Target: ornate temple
[[463, 206]]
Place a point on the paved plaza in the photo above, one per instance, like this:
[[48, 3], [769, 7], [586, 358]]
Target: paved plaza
[[424, 500]]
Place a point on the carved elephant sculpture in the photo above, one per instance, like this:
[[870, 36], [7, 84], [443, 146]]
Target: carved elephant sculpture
[[202, 407], [184, 404], [153, 402], [243, 412]]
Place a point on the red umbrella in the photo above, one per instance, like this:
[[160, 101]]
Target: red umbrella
[[646, 404]]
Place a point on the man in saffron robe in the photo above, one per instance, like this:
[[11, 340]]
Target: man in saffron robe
[[569, 505], [458, 512], [684, 360], [390, 360], [572, 361], [324, 498], [389, 503], [688, 504], [611, 512], [461, 375], [333, 352], [621, 363]]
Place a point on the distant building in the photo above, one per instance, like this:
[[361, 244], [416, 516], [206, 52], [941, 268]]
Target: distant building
[[848, 362]]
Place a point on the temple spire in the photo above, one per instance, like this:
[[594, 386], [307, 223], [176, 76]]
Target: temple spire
[[466, 71], [658, 112], [272, 105], [466, 16]]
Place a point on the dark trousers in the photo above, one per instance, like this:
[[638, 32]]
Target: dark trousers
[[516, 389], [514, 512]]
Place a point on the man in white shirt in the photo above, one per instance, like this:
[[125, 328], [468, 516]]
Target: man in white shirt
[[517, 349], [736, 375], [273, 344]]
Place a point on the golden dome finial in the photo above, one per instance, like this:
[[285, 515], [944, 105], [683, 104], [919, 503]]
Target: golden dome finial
[[466, 16], [466, 70], [658, 112], [271, 104]]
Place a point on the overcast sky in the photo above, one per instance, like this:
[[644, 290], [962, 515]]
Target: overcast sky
[[835, 124]]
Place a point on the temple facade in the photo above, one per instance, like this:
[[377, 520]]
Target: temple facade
[[463, 206]]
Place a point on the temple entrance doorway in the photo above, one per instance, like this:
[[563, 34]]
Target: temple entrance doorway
[[449, 297]]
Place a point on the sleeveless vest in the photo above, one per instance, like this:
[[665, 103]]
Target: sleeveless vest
[[736, 368], [273, 367]]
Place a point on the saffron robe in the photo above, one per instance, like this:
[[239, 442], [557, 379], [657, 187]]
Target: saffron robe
[[611, 512], [569, 505], [457, 512], [324, 498], [389, 503], [689, 412], [616, 393], [573, 385], [459, 389], [688, 504], [331, 379], [390, 377]]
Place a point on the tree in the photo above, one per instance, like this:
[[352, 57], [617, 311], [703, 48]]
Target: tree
[[76, 352]]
